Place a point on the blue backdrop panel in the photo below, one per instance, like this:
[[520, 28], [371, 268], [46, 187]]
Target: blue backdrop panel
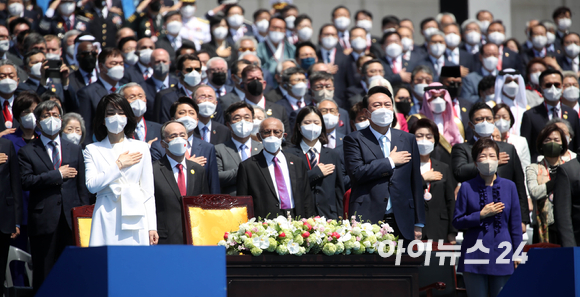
[[168, 270], [548, 272]]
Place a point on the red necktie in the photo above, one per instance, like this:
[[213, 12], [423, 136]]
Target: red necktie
[[299, 104], [6, 112], [395, 68], [113, 89], [181, 180]]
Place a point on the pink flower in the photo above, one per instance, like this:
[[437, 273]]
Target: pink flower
[[255, 230], [305, 234], [282, 235], [226, 235], [249, 234], [358, 238]]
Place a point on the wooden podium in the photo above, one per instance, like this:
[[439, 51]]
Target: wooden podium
[[321, 275]]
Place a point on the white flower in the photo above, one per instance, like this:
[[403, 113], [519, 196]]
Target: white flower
[[318, 237], [387, 227], [271, 232], [293, 247], [222, 243], [283, 222], [346, 223], [367, 244], [356, 231], [356, 246], [368, 228], [261, 242], [344, 238]]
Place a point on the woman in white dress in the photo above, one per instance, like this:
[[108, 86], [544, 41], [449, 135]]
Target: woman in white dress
[[119, 171]]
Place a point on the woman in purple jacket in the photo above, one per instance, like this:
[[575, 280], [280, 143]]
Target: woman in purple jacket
[[488, 210]]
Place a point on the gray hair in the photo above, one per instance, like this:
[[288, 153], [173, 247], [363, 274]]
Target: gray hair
[[163, 134], [121, 90], [199, 87], [467, 22], [9, 63], [421, 68], [438, 32], [243, 55], [32, 39], [442, 14], [286, 74], [548, 24], [326, 99], [46, 105], [279, 66], [69, 34], [569, 73], [210, 61], [74, 116], [565, 122], [251, 38], [257, 107]]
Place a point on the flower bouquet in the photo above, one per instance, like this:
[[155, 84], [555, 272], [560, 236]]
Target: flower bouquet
[[308, 236]]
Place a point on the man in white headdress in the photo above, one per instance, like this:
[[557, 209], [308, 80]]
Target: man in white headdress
[[510, 89]]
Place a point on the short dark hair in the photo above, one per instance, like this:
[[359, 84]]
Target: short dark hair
[[300, 45], [31, 40], [30, 54], [106, 53], [234, 107], [354, 110], [481, 144], [499, 106], [185, 45], [518, 45], [297, 136], [478, 106], [426, 20], [376, 90], [236, 65], [181, 60], [17, 21], [337, 8], [550, 71], [485, 83], [46, 105], [319, 75], [172, 13], [229, 7], [398, 87], [390, 19], [300, 18], [497, 22], [47, 95], [183, 100], [287, 8], [363, 11], [570, 33], [482, 11], [535, 61], [125, 40], [426, 123], [258, 12], [287, 74], [386, 35], [118, 101], [366, 65], [546, 132], [216, 20], [560, 10], [326, 25], [251, 68], [24, 101]]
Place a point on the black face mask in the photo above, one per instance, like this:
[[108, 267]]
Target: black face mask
[[87, 63], [254, 87], [453, 89], [99, 4], [403, 107], [219, 78], [155, 6]]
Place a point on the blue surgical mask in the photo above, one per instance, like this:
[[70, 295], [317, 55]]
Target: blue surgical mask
[[307, 62]]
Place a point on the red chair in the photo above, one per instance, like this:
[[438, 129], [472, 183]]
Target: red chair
[[345, 203], [541, 245]]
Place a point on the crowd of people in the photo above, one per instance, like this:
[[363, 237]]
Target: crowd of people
[[468, 130]]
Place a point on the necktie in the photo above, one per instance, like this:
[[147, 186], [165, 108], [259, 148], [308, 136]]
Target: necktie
[[386, 152], [140, 134], [6, 112], [281, 184], [312, 156], [67, 21], [300, 104], [205, 135], [395, 68], [499, 67], [331, 141], [113, 89], [555, 112], [146, 74], [55, 155], [243, 152], [328, 57], [90, 78], [181, 179]]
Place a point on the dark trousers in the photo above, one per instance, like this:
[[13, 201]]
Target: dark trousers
[[4, 247], [390, 219], [46, 249]]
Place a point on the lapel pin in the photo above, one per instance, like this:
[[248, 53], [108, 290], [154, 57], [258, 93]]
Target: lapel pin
[[565, 116], [507, 54], [213, 131], [269, 112], [291, 163], [59, 25], [192, 171], [464, 109]]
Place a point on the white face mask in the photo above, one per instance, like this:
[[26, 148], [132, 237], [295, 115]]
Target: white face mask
[[189, 122], [305, 33], [365, 24], [263, 25], [178, 146], [130, 58], [330, 121], [490, 98], [490, 63], [539, 41], [235, 20], [564, 24], [407, 43], [256, 127], [52, 56], [311, 131], [206, 109], [438, 105], [299, 89], [272, 144], [145, 56], [425, 147], [50, 125], [483, 25], [452, 40], [488, 167], [571, 93], [35, 70], [15, 9], [437, 49], [496, 38], [419, 89], [551, 37], [290, 21], [484, 129], [341, 23], [192, 79], [4, 45], [393, 50], [535, 78], [329, 42], [220, 32], [203, 72], [72, 137], [511, 89], [572, 50], [373, 78], [116, 73], [502, 125], [553, 93], [28, 121], [242, 129], [187, 11], [359, 44], [115, 124], [139, 107], [67, 8], [382, 117], [473, 37], [362, 125], [8, 86], [276, 37], [429, 31], [174, 27]]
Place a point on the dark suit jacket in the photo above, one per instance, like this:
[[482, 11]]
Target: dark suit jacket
[[426, 60], [567, 203], [342, 127], [389, 75], [202, 148], [104, 29], [564, 63], [509, 58], [465, 169], [535, 119], [328, 191], [467, 60], [76, 82], [220, 133], [164, 100], [15, 123], [279, 112], [253, 176], [164, 43], [439, 210], [168, 198], [342, 61], [47, 188], [132, 74], [374, 181], [229, 99], [150, 92], [228, 160], [152, 131], [11, 194], [89, 98], [354, 94], [274, 95]]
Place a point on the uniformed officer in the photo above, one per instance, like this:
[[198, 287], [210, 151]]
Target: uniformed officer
[[60, 18], [196, 29], [147, 21], [103, 22]]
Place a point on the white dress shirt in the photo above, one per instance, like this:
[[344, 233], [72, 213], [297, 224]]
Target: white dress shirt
[[438, 63], [238, 33], [306, 150], [10, 104], [261, 103], [472, 49], [45, 140], [176, 170], [221, 91], [161, 85], [453, 55], [85, 74], [240, 94], [331, 139], [140, 129], [284, 167], [248, 148], [574, 62], [175, 41], [294, 102], [200, 126]]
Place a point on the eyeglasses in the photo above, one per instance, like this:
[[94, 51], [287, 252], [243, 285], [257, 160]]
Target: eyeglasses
[[246, 49], [319, 87], [549, 85], [327, 110], [204, 98], [239, 118], [190, 69], [404, 99], [267, 133]]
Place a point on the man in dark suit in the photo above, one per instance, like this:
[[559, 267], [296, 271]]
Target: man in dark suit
[[236, 95], [171, 41], [331, 53], [294, 83], [10, 199], [160, 80], [451, 78], [436, 57], [507, 57], [286, 177], [7, 94], [141, 70], [217, 76], [370, 70], [110, 72], [175, 177], [86, 73], [208, 129], [536, 118], [239, 116], [53, 170], [275, 92], [36, 81], [396, 67], [570, 59], [384, 169], [360, 44], [488, 58], [481, 121], [566, 207], [454, 53], [538, 41], [331, 117]]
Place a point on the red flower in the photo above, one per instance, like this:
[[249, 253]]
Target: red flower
[[335, 235], [249, 234], [308, 226], [305, 234], [282, 235], [226, 235]]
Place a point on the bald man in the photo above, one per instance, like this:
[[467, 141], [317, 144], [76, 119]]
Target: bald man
[[159, 81], [277, 182], [141, 71]]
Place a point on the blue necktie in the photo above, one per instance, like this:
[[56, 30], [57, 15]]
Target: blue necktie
[[386, 153], [243, 152], [55, 155], [205, 131]]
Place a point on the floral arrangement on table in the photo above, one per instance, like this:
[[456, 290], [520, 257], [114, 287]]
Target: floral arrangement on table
[[285, 236]]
